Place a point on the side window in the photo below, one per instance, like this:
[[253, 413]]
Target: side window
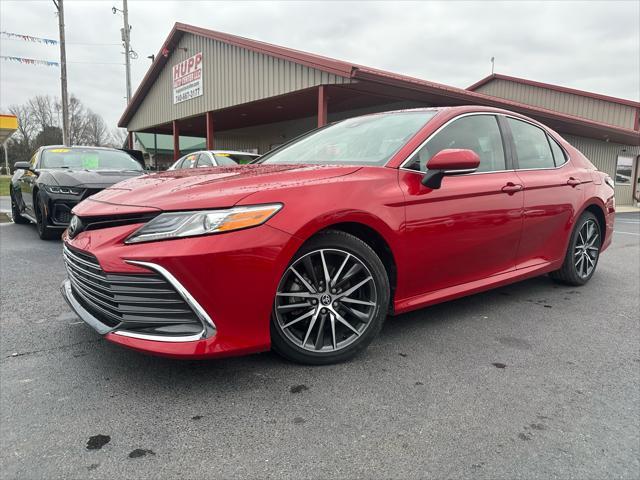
[[204, 160], [532, 147], [33, 160], [558, 154], [189, 161], [479, 133]]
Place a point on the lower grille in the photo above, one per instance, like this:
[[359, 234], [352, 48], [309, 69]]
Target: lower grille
[[142, 303], [61, 213]]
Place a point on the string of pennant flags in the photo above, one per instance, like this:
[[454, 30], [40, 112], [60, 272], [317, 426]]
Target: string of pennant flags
[[29, 38], [30, 61]]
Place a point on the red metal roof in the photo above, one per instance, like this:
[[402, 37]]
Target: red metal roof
[[557, 88], [364, 73]]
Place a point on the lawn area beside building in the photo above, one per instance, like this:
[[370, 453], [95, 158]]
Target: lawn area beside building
[[4, 184]]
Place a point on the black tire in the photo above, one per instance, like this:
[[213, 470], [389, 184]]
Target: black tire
[[368, 264], [15, 210], [44, 230], [574, 272]]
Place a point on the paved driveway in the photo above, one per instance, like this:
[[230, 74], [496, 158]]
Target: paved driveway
[[534, 380]]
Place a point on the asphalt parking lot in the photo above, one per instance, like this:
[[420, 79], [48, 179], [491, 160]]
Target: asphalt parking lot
[[533, 380]]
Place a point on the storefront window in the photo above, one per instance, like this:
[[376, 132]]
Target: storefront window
[[624, 170]]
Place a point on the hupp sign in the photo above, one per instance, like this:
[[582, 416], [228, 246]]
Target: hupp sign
[[187, 79]]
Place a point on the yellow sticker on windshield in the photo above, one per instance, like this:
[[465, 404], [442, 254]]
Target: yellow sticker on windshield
[[59, 150], [222, 155]]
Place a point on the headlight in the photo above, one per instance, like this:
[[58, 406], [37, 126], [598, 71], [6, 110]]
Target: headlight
[[64, 190], [190, 224], [609, 181]]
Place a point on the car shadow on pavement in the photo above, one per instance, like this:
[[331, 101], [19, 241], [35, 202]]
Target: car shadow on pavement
[[126, 368]]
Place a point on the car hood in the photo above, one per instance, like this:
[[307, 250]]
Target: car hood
[[87, 178], [211, 187]]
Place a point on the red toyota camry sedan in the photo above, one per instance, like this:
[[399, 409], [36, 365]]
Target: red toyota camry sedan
[[310, 249]]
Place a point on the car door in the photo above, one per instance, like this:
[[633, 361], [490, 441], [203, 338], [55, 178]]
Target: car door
[[27, 182], [553, 192], [469, 228]]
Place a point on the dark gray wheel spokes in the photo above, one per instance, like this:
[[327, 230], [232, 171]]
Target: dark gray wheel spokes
[[325, 300], [587, 249]]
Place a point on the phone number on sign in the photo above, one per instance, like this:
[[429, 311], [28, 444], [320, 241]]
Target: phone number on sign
[[187, 95]]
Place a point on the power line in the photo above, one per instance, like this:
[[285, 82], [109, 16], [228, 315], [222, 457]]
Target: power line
[[76, 43], [99, 63], [34, 61]]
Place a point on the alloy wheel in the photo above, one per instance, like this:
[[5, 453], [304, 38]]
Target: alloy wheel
[[326, 300], [587, 248]]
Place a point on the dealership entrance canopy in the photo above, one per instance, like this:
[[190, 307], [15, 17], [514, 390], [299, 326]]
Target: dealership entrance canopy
[[243, 94]]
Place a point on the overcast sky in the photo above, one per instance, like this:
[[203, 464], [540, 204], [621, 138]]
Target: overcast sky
[[588, 45]]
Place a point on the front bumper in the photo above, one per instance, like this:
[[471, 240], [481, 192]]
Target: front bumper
[[93, 322], [230, 278]]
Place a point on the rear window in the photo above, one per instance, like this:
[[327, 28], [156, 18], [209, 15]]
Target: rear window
[[88, 159], [229, 159]]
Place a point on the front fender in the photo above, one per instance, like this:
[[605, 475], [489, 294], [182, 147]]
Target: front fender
[[370, 197]]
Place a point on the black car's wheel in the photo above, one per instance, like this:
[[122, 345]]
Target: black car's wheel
[[583, 252], [331, 301], [44, 230], [15, 210]]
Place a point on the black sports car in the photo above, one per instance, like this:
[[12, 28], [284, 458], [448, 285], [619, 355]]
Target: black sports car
[[45, 189]]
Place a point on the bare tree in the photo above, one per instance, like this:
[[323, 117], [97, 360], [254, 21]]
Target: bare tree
[[42, 109], [26, 125], [96, 130], [118, 137], [77, 122], [39, 124]]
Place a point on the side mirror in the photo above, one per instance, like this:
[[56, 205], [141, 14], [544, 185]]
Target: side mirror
[[22, 166], [450, 161]]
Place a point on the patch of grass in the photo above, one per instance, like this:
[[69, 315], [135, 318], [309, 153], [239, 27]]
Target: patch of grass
[[4, 184]]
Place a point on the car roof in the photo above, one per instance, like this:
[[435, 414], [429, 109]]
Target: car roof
[[458, 109], [77, 147], [231, 152]]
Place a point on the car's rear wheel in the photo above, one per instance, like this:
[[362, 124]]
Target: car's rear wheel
[[15, 210], [331, 301], [583, 252], [44, 230]]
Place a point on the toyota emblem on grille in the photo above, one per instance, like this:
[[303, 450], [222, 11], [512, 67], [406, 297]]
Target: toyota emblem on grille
[[74, 226]]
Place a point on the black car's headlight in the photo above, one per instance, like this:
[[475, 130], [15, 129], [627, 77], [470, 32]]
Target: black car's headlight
[[63, 190], [189, 224]]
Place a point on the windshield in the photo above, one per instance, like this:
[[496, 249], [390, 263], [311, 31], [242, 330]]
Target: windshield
[[88, 159], [369, 140]]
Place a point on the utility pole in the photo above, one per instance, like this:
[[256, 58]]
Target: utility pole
[[129, 54], [126, 33], [63, 73]]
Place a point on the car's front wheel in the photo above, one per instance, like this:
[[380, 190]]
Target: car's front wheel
[[583, 252], [331, 301], [44, 230], [15, 210]]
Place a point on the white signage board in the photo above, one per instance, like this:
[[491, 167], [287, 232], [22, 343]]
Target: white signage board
[[187, 79]]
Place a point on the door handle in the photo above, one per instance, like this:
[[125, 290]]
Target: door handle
[[512, 188], [574, 182]]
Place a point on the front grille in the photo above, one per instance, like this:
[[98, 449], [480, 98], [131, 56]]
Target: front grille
[[143, 303], [96, 223]]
